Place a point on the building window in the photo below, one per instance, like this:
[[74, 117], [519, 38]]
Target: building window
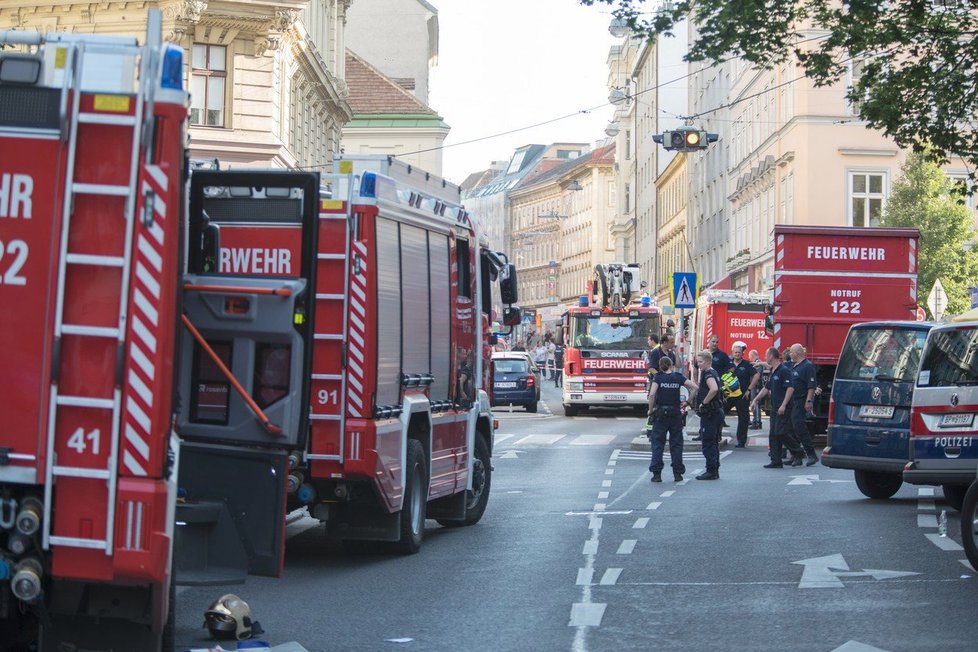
[[628, 144], [628, 198], [207, 85], [867, 192]]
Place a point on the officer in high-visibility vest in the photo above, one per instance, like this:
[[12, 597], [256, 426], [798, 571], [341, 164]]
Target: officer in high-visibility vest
[[665, 416]]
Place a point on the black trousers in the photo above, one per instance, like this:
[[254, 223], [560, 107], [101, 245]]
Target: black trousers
[[780, 437], [799, 426], [672, 426], [742, 405]]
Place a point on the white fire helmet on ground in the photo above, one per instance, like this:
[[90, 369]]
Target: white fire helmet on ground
[[229, 617]]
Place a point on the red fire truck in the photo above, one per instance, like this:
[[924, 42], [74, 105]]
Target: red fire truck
[[331, 352], [732, 316], [828, 278], [606, 338]]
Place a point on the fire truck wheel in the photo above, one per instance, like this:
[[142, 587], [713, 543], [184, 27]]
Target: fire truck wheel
[[570, 410], [969, 524], [415, 503], [954, 495], [477, 499], [532, 407], [878, 485]]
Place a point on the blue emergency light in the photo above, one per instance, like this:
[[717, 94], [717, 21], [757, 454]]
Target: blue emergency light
[[172, 76], [646, 301], [582, 302], [368, 185]]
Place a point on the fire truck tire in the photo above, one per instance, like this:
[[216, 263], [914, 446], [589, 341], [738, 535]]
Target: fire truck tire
[[570, 410], [415, 501], [532, 407], [969, 524], [478, 498], [169, 637], [878, 485], [954, 495]]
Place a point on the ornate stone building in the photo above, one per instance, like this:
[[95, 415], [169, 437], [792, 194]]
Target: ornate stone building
[[266, 76]]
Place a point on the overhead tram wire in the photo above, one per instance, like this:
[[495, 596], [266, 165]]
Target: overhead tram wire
[[601, 106]]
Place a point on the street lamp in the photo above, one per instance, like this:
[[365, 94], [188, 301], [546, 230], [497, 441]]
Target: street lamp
[[618, 96], [612, 129], [574, 186], [618, 27], [552, 215]]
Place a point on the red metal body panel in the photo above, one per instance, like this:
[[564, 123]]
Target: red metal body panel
[[279, 253], [828, 279], [734, 325], [30, 215]]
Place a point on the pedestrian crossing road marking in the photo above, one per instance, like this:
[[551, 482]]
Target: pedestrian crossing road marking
[[550, 439]]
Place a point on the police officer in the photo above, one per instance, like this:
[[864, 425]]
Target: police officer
[[748, 377], [710, 413], [558, 364], [666, 349], [802, 397], [666, 417], [779, 381]]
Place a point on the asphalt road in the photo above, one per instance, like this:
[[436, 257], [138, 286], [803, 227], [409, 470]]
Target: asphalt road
[[578, 551]]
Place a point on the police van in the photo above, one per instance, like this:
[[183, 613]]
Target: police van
[[943, 430], [869, 411]]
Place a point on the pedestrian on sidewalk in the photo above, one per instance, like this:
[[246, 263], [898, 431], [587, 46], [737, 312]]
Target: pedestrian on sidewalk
[[665, 417], [747, 375], [709, 403], [779, 381], [802, 397], [551, 347]]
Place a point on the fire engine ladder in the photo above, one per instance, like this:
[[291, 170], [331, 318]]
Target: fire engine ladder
[[334, 252], [128, 125]]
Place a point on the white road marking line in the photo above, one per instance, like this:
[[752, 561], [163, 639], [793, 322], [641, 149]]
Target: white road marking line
[[602, 495], [594, 523], [653, 506], [925, 491], [593, 440], [944, 543], [856, 646], [599, 507], [606, 483], [613, 463], [666, 494], [591, 547], [627, 546], [615, 453], [588, 418], [586, 614], [609, 471], [540, 440], [641, 523], [610, 577], [926, 520], [926, 504], [967, 564], [501, 438], [584, 576]]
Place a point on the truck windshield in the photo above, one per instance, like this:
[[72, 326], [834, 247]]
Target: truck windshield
[[882, 354], [608, 333], [951, 359]]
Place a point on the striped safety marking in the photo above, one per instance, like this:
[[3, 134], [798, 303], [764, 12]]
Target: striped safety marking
[[145, 321], [356, 342]]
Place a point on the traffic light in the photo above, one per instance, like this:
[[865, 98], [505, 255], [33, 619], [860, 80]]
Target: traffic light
[[685, 139]]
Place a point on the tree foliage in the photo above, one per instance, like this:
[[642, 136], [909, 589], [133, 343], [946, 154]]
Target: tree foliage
[[926, 199], [919, 58]]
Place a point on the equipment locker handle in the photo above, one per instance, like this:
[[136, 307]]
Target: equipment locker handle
[[250, 402], [230, 289]]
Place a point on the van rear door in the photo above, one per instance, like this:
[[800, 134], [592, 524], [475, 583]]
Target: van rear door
[[243, 368]]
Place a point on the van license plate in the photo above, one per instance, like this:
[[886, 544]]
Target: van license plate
[[956, 420], [876, 411], [614, 397], [505, 385]]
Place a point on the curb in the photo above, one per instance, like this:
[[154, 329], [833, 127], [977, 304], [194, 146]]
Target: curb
[[641, 443]]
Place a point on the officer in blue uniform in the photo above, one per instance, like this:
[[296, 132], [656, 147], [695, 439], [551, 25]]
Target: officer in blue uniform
[[666, 416], [779, 381], [802, 396], [708, 406]]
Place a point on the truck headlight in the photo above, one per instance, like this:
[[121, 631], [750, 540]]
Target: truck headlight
[[576, 386]]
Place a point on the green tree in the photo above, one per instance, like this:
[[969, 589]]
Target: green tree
[[917, 59], [926, 199]]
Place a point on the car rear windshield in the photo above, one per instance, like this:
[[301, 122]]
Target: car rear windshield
[[510, 366], [951, 358], [881, 354]]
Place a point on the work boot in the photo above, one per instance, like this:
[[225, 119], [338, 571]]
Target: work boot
[[796, 461], [741, 446], [774, 465], [812, 460], [709, 476], [657, 476], [678, 477]]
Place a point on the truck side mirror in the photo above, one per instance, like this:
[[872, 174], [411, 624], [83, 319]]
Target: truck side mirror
[[512, 315], [508, 292]]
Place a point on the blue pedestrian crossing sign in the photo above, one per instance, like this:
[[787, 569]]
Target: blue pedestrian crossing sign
[[684, 290]]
